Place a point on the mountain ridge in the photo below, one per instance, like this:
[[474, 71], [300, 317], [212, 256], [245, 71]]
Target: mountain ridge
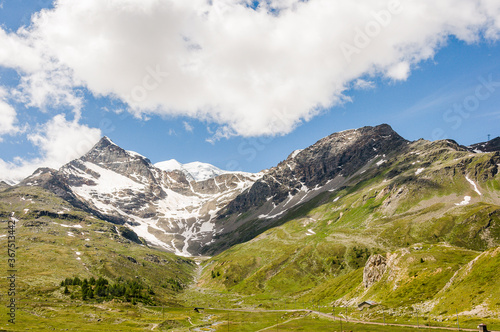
[[324, 166], [124, 187], [178, 213]]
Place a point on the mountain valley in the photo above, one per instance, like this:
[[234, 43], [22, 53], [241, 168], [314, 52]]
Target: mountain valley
[[361, 215]]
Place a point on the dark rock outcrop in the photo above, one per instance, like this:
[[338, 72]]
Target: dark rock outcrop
[[489, 146]]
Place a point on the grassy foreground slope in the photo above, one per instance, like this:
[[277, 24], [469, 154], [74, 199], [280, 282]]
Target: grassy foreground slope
[[432, 212], [55, 241]]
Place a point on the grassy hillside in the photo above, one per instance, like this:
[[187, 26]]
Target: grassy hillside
[[54, 242]]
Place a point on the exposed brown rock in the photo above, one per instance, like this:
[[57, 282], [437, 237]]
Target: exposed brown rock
[[374, 269]]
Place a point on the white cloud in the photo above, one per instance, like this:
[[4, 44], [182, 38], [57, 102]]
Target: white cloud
[[188, 127], [399, 71], [48, 88], [44, 82], [58, 141], [361, 84], [8, 117], [61, 140], [17, 52], [253, 72]]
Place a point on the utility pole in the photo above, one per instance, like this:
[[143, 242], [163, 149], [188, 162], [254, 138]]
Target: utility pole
[[489, 135], [458, 323], [383, 313], [418, 325], [346, 318]]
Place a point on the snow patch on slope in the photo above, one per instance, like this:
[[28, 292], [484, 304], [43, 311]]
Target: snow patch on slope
[[418, 171], [474, 185], [169, 165], [109, 181], [294, 154], [464, 202], [68, 226], [310, 232]]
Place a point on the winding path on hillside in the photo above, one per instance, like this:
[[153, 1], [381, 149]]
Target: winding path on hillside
[[334, 318], [308, 312]]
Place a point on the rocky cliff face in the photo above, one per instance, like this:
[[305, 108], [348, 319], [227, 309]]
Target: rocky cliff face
[[374, 270], [338, 155]]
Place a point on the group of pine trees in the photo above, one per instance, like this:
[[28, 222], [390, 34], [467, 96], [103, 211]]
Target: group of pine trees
[[100, 290]]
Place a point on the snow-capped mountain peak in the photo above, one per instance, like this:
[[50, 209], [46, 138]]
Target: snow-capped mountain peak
[[203, 171], [173, 206], [169, 165], [197, 171]]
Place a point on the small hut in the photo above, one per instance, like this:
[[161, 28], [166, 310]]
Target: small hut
[[366, 304]]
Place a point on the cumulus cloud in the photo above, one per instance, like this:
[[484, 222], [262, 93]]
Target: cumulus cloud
[[8, 117], [16, 51], [59, 141], [252, 71]]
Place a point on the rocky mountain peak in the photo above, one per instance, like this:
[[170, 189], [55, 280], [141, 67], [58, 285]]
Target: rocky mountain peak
[[4, 185], [105, 152], [324, 166], [39, 177]]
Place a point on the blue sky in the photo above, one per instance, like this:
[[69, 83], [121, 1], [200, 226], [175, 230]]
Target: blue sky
[[443, 93]]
